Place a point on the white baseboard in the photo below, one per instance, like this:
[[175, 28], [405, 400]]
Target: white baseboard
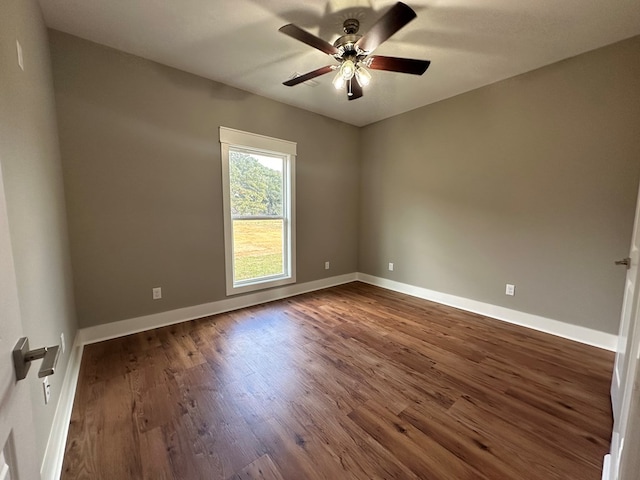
[[121, 328], [139, 324], [51, 467], [577, 333], [606, 467], [54, 454]]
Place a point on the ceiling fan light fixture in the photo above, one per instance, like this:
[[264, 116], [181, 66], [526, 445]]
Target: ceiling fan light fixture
[[362, 75], [348, 69], [339, 81]]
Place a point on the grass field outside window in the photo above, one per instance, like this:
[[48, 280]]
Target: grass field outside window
[[257, 248]]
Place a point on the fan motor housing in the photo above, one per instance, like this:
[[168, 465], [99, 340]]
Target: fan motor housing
[[347, 41]]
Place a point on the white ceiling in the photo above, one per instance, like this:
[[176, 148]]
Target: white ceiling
[[470, 43]]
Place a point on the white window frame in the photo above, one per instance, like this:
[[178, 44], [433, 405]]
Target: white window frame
[[231, 138]]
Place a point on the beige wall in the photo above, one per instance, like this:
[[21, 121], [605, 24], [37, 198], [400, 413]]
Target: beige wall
[[530, 181], [33, 184], [141, 157]]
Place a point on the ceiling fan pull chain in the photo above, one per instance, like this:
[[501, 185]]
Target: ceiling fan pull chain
[[349, 92]]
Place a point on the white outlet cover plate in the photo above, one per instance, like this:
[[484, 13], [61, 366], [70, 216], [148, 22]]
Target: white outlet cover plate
[[46, 389], [20, 55]]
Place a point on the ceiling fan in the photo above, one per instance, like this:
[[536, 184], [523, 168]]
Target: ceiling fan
[[353, 51]]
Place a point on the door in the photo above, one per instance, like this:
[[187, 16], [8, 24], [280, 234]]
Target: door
[[18, 457], [628, 460], [624, 394], [630, 294]]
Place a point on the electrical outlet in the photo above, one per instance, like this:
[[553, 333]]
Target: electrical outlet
[[46, 389], [157, 293], [390, 267], [326, 265], [510, 290], [63, 345]]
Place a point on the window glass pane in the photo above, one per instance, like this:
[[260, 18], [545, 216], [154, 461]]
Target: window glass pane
[[255, 182], [257, 248]]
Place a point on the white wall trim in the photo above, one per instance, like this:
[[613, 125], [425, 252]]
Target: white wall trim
[[51, 467], [134, 325], [577, 333]]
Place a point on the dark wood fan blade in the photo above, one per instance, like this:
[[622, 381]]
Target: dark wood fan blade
[[305, 37], [356, 90], [395, 64], [392, 21], [307, 76]]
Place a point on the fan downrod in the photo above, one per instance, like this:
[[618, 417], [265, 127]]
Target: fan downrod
[[351, 26], [347, 41]]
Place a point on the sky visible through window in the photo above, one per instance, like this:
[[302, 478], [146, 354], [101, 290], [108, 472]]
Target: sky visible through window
[[270, 162]]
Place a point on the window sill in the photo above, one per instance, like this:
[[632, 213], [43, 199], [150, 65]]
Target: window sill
[[259, 285]]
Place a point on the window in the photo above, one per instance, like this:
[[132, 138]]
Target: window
[[258, 175]]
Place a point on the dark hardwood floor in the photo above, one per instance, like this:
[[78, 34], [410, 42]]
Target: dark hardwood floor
[[352, 382]]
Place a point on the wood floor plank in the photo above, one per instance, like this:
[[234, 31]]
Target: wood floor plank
[[547, 428], [348, 383], [464, 442], [513, 441], [422, 454], [154, 457], [261, 469], [87, 422], [572, 389], [187, 453], [287, 451], [579, 415], [154, 392], [347, 442]]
